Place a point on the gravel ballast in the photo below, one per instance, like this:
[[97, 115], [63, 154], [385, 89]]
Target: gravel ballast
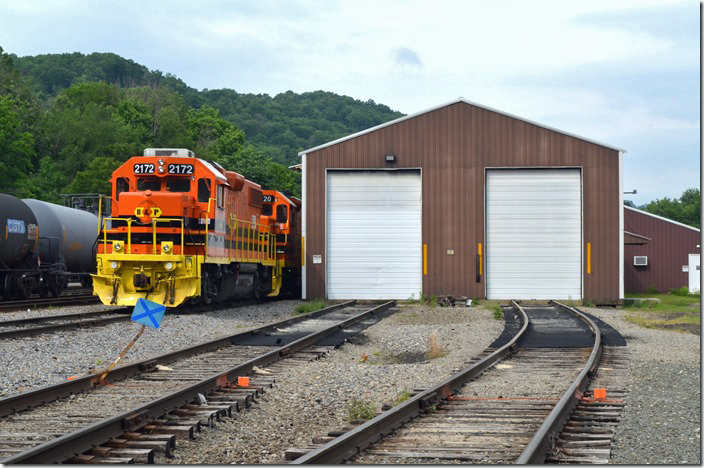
[[375, 367], [660, 423], [41, 360]]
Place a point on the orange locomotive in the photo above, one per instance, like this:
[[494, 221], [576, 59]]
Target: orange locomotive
[[183, 228]]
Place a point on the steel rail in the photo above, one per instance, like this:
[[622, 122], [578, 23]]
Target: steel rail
[[353, 442], [20, 332], [39, 302], [537, 449], [24, 321], [67, 446], [41, 396]]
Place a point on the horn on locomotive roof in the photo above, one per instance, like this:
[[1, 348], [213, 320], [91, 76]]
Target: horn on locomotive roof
[[177, 152]]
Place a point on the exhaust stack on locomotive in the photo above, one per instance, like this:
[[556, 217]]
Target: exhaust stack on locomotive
[[183, 228]]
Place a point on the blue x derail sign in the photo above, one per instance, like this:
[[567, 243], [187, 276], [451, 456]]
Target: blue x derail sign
[[148, 313]]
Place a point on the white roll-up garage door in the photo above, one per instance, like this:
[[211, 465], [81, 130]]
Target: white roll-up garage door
[[373, 234], [534, 234]]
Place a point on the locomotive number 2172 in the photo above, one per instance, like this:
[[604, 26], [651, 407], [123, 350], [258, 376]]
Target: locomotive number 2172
[[180, 168]]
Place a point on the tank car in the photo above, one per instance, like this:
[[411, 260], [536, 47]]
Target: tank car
[[44, 245], [185, 229]]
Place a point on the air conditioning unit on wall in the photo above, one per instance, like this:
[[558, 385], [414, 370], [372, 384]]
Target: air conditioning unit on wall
[[640, 260]]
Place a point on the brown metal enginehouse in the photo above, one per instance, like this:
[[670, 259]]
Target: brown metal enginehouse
[[488, 224], [657, 252]]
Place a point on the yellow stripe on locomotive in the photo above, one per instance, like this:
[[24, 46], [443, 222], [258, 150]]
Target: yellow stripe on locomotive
[[186, 229]]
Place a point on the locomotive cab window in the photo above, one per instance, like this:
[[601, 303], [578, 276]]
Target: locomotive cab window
[[281, 214], [203, 190], [267, 209], [149, 183], [178, 185], [121, 185]]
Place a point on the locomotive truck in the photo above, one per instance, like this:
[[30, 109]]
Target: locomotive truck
[[183, 229]]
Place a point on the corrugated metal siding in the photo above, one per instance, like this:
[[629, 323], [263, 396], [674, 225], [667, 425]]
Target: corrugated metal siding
[[667, 252], [453, 146]]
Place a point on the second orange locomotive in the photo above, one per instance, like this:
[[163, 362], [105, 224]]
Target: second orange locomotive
[[183, 228]]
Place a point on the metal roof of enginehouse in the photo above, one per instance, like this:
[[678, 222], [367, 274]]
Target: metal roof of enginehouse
[[461, 99]]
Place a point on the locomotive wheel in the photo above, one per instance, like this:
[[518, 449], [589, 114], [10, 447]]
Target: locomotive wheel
[[256, 287], [10, 287], [43, 288], [25, 289]]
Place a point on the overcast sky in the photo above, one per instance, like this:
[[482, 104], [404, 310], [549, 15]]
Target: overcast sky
[[625, 73]]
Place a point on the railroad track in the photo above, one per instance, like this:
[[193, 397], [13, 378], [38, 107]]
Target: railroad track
[[527, 399], [145, 406], [51, 323], [72, 299]]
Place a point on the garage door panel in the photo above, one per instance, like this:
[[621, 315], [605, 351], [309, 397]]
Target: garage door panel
[[373, 235], [534, 234]]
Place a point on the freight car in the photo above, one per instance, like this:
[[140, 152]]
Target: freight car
[[185, 229], [43, 246]]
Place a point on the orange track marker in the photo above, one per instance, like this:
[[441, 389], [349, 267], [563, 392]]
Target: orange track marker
[[599, 393], [243, 381]]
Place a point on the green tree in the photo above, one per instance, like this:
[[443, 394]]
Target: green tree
[[16, 147], [686, 209], [96, 177]]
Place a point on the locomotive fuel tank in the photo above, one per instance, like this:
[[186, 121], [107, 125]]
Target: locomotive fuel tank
[[65, 231], [19, 231]]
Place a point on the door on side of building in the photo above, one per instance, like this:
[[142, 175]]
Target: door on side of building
[[694, 273], [373, 234], [534, 234]]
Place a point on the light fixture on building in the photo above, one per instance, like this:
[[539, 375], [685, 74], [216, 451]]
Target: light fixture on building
[[634, 192], [389, 158]]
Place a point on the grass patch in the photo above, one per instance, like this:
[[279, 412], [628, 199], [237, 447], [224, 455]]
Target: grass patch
[[498, 312], [674, 312], [360, 410], [435, 349], [403, 396], [310, 306], [431, 301]]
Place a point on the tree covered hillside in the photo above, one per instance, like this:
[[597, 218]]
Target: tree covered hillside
[[280, 126]]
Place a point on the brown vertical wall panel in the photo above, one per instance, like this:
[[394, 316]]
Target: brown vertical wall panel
[[453, 146], [667, 251]]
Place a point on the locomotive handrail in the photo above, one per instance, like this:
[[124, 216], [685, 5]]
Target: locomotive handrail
[[129, 221]]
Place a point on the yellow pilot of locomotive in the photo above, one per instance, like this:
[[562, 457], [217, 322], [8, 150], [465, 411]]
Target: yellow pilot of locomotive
[[185, 229]]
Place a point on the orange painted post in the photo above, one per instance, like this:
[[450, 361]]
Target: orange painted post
[[589, 258], [425, 259], [479, 251]]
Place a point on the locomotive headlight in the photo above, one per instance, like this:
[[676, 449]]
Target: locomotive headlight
[[114, 265], [161, 162], [117, 246], [167, 247], [161, 169], [169, 266]]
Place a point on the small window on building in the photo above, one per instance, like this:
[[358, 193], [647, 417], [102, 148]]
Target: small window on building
[[149, 183], [267, 209], [178, 185], [221, 196], [203, 190], [121, 185]]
